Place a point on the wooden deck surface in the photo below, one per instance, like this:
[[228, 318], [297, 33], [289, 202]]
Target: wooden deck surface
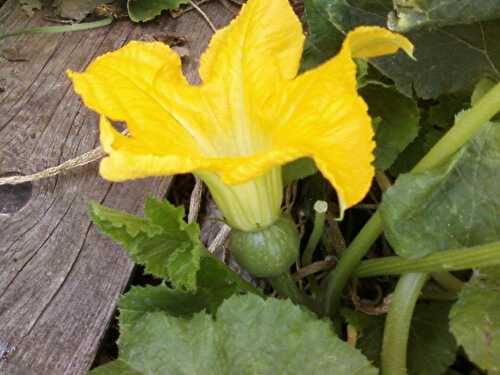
[[59, 278]]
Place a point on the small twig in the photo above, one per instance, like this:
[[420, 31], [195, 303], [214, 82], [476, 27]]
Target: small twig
[[79, 161], [195, 201], [383, 181], [60, 29], [204, 15], [290, 196], [321, 265], [220, 238]]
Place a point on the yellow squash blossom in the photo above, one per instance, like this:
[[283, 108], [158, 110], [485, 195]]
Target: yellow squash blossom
[[251, 114]]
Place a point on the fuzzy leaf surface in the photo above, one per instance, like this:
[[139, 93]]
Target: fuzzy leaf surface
[[413, 14], [475, 319], [398, 125], [453, 205], [161, 240], [440, 52], [249, 335]]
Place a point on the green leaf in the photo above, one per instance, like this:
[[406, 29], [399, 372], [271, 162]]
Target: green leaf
[[146, 10], [412, 14], [215, 284], [249, 336], [371, 331], [416, 150], [431, 346], [399, 123], [324, 39], [475, 319], [298, 169], [170, 248], [453, 205], [436, 119], [442, 114], [141, 300], [436, 71], [161, 241]]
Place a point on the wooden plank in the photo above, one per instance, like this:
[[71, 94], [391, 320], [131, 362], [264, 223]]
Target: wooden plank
[[59, 279]]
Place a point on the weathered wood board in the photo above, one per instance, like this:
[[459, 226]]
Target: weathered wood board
[[59, 278]]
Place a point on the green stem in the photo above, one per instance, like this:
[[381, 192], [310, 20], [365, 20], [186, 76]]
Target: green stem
[[286, 287], [464, 128], [438, 262], [397, 323], [449, 282], [320, 208], [466, 125], [60, 29], [338, 278]]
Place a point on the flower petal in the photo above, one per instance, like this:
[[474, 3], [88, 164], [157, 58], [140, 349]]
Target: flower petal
[[265, 34], [372, 41], [326, 119], [128, 159], [244, 68], [121, 86]]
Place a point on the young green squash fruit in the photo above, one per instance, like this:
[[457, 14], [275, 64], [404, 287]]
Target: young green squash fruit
[[268, 252]]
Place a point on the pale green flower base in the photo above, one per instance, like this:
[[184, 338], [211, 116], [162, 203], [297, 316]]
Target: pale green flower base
[[251, 206]]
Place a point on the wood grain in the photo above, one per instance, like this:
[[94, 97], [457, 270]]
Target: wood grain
[[59, 278]]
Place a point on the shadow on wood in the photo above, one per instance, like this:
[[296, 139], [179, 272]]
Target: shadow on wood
[[59, 278]]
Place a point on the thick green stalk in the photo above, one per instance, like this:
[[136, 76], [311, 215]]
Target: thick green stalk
[[338, 278], [464, 128], [61, 29], [397, 323], [447, 260]]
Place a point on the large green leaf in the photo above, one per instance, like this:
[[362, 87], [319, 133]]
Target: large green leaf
[[146, 10], [412, 154], [448, 59], [436, 120], [453, 205], [475, 319], [398, 125], [161, 241], [431, 346], [249, 336], [141, 300], [412, 14]]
